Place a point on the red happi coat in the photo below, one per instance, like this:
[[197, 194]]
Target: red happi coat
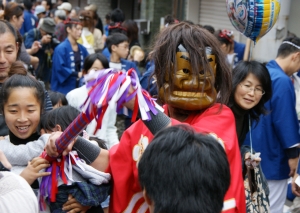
[[127, 195]]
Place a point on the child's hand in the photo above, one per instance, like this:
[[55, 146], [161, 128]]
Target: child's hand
[[50, 145], [42, 132], [4, 161], [31, 172], [73, 206]]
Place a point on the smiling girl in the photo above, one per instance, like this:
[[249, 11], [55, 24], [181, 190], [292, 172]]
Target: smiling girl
[[22, 112], [21, 102]]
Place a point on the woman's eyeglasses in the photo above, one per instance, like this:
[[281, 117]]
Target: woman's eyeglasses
[[257, 91]]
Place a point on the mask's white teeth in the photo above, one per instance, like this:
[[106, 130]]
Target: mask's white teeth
[[190, 94]]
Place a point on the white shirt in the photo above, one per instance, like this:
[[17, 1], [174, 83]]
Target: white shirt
[[114, 65], [16, 195], [108, 131]]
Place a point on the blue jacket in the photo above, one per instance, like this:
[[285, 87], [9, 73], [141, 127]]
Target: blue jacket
[[239, 49], [29, 22], [126, 65], [45, 65], [147, 81], [64, 76]]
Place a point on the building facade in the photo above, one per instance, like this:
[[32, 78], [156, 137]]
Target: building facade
[[203, 12]]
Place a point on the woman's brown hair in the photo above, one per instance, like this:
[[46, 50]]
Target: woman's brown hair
[[13, 9], [86, 18], [132, 30]]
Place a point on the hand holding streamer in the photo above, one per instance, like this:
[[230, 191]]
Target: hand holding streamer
[[107, 87]]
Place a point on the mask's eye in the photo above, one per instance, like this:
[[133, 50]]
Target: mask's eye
[[186, 71], [201, 72]]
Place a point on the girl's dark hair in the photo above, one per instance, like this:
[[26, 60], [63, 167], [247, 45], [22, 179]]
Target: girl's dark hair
[[62, 116], [101, 143], [90, 59], [6, 27], [13, 9], [55, 97], [132, 30], [239, 74], [195, 40], [21, 81]]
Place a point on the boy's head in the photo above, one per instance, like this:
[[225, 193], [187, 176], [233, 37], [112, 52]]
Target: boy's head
[[183, 171], [289, 46], [118, 44], [289, 55]]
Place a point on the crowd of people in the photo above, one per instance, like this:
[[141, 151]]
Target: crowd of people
[[227, 139]]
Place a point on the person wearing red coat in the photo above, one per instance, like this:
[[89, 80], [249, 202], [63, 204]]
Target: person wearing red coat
[[194, 84]]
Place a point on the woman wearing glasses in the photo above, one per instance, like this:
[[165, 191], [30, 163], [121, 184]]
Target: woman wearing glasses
[[252, 88]]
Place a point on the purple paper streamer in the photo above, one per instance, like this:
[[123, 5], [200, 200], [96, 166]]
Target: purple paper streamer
[[131, 96], [89, 112], [96, 94], [115, 86], [46, 180], [91, 83], [122, 99], [151, 107]]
